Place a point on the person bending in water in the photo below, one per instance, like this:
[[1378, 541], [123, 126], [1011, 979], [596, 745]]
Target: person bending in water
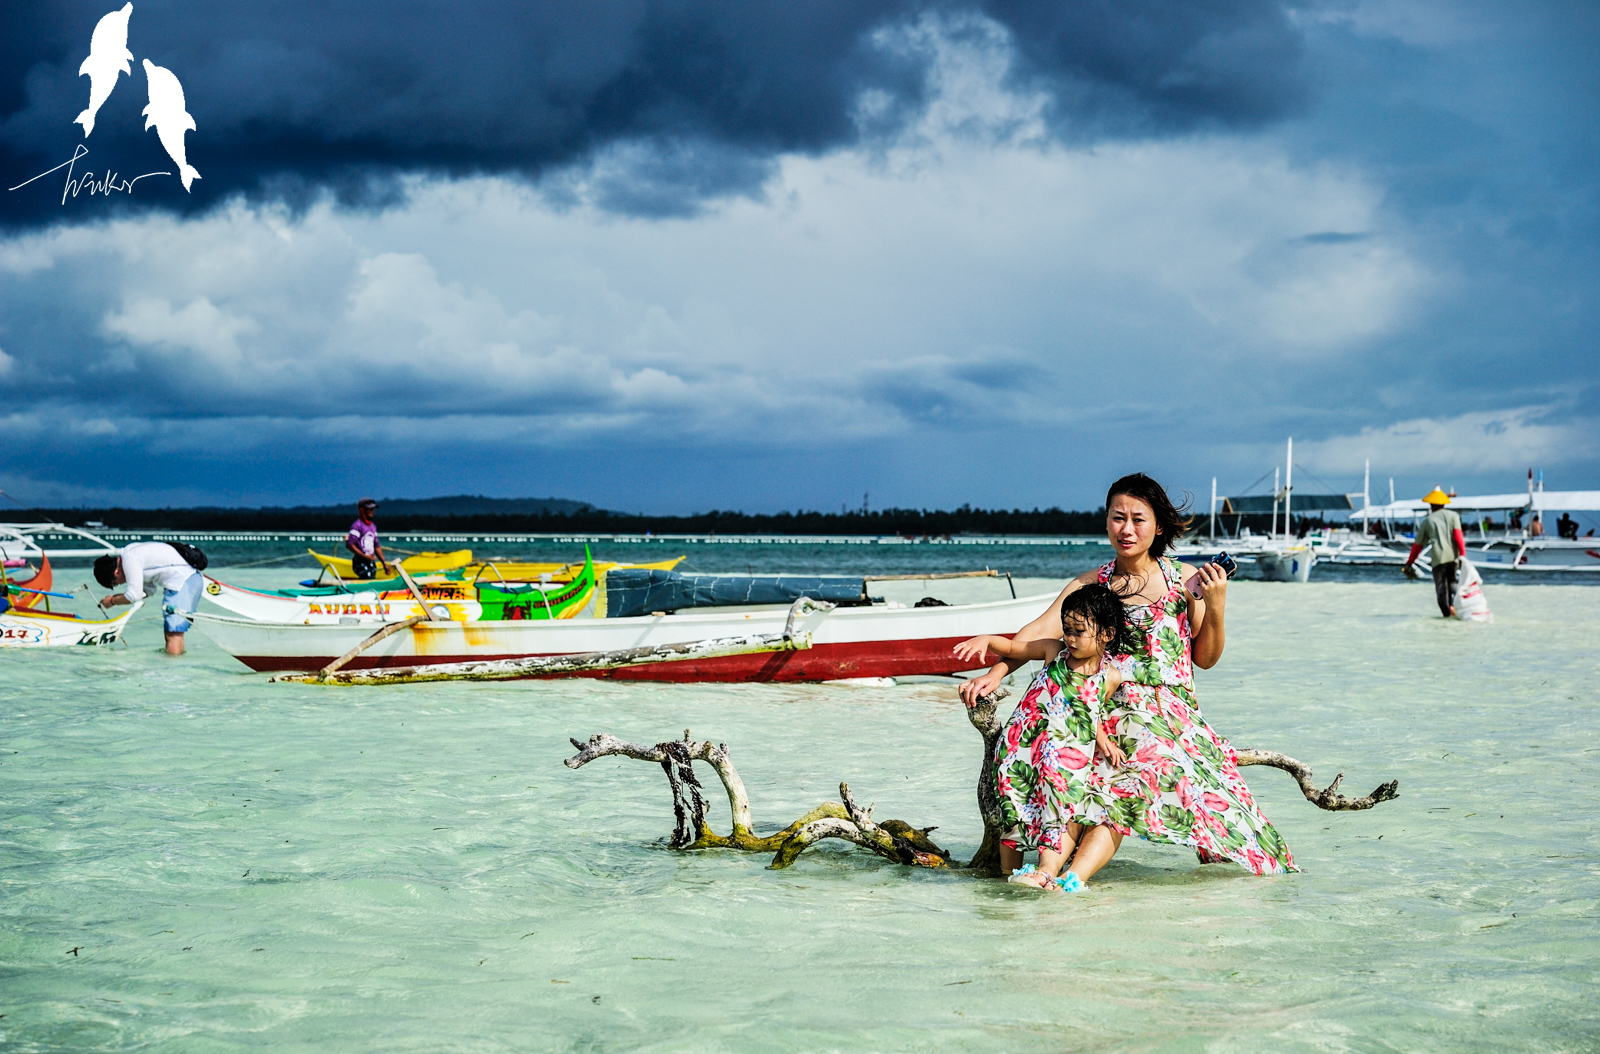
[[1045, 757]]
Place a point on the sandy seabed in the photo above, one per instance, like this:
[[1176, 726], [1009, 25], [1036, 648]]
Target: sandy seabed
[[193, 859]]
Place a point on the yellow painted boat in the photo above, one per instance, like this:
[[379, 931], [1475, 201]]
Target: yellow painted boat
[[461, 560], [421, 563]]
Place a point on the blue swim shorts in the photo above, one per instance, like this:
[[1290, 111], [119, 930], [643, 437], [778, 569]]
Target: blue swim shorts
[[178, 604]]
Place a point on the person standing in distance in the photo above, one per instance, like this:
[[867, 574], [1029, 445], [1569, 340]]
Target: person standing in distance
[[142, 567], [1441, 529], [365, 551]]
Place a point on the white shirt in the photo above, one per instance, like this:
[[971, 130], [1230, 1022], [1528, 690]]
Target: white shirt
[[153, 564]]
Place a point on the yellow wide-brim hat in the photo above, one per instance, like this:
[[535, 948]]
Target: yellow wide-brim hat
[[1436, 497]]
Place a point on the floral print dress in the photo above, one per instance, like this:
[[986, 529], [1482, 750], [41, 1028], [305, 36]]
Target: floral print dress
[[1181, 784], [1045, 756]]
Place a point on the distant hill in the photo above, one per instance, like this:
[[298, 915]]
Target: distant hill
[[458, 505], [462, 512], [476, 514]]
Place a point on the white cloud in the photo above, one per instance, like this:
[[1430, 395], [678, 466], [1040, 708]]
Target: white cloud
[[1498, 441], [1425, 23], [199, 327], [972, 273]]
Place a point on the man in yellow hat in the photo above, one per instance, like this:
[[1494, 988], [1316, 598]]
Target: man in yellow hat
[[1441, 529]]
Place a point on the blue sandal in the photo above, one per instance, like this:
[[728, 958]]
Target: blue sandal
[[1067, 883], [1070, 883]]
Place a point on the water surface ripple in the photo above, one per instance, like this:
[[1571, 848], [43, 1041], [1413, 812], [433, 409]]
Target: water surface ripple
[[193, 859]]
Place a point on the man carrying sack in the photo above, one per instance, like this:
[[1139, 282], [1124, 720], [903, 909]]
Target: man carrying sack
[[1441, 529]]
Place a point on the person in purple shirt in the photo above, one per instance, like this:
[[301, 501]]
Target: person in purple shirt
[[362, 541]]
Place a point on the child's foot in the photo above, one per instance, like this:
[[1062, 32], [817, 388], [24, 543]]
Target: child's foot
[[1028, 875]]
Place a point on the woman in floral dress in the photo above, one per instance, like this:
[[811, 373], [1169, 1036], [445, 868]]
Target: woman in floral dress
[[1181, 783]]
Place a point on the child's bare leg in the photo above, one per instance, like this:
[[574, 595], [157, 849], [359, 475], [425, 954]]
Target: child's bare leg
[[1051, 862], [1010, 859], [1075, 836], [1051, 858], [1095, 850]]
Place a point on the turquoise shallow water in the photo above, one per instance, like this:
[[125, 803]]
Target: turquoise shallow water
[[248, 866]]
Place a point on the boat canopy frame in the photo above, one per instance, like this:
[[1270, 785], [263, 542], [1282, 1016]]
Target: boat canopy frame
[[25, 536]]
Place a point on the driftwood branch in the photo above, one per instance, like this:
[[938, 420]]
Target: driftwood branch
[[1329, 797], [847, 821], [894, 839]]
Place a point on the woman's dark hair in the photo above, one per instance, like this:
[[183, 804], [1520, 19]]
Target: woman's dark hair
[[1171, 520], [1097, 605], [105, 571]]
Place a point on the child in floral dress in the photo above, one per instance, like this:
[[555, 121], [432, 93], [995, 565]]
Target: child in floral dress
[[1045, 757]]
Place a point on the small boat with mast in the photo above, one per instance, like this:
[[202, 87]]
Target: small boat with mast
[[1281, 556]]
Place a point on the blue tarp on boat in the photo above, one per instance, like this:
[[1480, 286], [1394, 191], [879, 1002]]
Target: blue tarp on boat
[[639, 591]]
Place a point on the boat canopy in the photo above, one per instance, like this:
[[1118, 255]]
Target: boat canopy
[[1541, 500], [636, 591], [1262, 504], [1567, 500]]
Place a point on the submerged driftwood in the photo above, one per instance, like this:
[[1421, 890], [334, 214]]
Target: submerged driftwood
[[893, 839]]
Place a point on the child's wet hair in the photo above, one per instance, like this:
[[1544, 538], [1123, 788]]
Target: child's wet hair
[[1097, 605]]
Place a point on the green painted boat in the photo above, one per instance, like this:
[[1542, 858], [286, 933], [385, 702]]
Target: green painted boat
[[511, 603]]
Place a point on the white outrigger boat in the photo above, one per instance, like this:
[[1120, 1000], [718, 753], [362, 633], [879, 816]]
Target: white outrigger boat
[[27, 628], [23, 623], [450, 597], [866, 641], [329, 607], [1508, 548]]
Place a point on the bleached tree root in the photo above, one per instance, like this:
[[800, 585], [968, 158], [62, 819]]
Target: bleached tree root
[[845, 820], [1329, 797], [893, 839]]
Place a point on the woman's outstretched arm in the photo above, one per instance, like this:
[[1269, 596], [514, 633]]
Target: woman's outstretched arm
[[1046, 627]]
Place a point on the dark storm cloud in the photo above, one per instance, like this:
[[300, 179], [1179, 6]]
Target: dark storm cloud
[[290, 97], [1157, 66]]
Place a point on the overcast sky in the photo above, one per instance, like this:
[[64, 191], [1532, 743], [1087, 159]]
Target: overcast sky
[[667, 257]]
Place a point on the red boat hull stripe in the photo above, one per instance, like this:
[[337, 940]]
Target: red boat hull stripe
[[822, 662]]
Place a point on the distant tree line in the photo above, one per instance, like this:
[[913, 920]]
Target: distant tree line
[[905, 522]]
